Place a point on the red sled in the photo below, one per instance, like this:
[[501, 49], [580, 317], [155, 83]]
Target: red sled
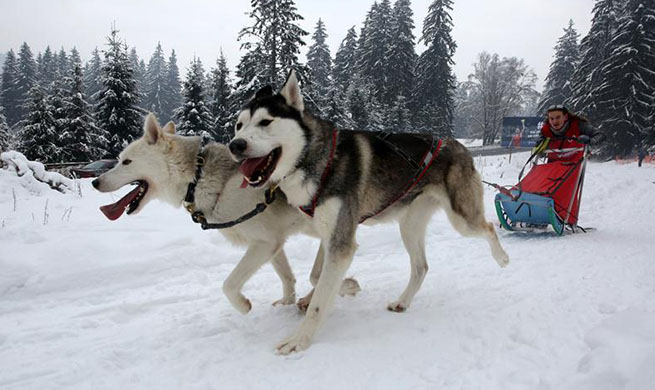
[[548, 195]]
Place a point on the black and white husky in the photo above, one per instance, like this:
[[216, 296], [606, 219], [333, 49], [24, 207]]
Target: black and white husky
[[163, 164], [341, 178]]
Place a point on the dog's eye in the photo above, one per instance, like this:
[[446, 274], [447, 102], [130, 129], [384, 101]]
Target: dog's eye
[[264, 122], [239, 125], [127, 161]]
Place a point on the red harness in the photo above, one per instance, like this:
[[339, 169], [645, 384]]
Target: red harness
[[426, 161]]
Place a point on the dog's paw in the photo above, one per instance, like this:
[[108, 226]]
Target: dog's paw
[[501, 258], [242, 304], [293, 344], [303, 303], [349, 286], [288, 300], [397, 307]]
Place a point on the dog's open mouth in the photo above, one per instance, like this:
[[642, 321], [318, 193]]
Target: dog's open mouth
[[129, 202], [256, 171]]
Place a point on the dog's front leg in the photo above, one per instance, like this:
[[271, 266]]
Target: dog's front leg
[[283, 270], [339, 249], [256, 255]]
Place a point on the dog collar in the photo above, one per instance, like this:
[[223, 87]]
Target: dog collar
[[190, 197]]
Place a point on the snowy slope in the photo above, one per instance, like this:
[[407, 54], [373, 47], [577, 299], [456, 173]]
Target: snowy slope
[[137, 303]]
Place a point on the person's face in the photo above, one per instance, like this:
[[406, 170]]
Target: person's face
[[557, 119]]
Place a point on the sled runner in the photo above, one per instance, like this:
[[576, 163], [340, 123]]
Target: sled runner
[[549, 194]]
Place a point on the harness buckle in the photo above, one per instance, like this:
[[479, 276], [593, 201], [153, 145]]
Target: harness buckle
[[269, 195], [190, 207], [198, 217]]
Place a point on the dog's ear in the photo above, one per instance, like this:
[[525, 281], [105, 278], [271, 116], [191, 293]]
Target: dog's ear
[[264, 92], [291, 92], [169, 128], [151, 130]]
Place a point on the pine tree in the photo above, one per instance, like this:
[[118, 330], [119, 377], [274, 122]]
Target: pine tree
[[276, 40], [336, 109], [93, 77], [82, 140], [374, 45], [220, 102], [251, 75], [74, 59], [25, 80], [593, 50], [194, 117], [62, 64], [558, 87], [5, 137], [172, 93], [364, 109], [345, 61], [56, 105], [399, 117], [435, 81], [155, 81], [139, 74], [37, 139], [117, 111], [46, 68], [626, 95], [9, 91], [319, 63], [401, 54]]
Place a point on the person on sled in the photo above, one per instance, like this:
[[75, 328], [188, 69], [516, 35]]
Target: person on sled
[[563, 130]]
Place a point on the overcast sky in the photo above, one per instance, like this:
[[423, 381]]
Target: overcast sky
[[523, 28]]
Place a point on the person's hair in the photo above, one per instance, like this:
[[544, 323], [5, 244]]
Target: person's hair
[[565, 111]]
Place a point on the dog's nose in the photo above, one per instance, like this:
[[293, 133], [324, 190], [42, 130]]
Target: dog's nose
[[238, 146], [95, 183]]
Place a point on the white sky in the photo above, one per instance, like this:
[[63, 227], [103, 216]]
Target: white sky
[[523, 28]]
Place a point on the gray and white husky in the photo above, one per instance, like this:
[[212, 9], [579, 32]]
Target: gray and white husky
[[163, 164], [343, 177]]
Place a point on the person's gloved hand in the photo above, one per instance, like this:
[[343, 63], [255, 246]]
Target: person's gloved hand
[[584, 139]]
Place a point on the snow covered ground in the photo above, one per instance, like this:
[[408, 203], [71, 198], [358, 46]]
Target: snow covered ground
[[86, 303], [470, 142]]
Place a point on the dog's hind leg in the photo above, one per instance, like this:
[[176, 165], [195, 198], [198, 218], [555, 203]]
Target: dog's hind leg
[[349, 286], [281, 267], [256, 255], [412, 231], [465, 211]]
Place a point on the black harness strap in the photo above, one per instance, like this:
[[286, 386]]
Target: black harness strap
[[421, 168], [426, 161], [199, 216], [384, 135], [191, 189]]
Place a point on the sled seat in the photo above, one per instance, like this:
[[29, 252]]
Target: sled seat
[[528, 210]]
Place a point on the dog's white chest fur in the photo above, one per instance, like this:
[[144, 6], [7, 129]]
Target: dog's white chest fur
[[299, 191]]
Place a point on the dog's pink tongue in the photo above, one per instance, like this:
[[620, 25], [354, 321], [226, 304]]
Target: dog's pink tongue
[[115, 210], [249, 166]]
